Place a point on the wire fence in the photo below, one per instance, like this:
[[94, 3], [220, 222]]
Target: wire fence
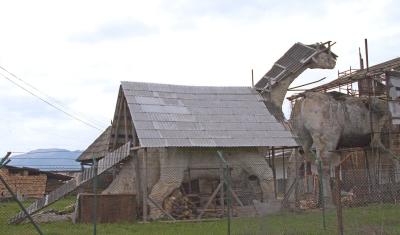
[[369, 200], [222, 194]]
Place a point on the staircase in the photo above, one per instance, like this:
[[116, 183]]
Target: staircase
[[88, 174]]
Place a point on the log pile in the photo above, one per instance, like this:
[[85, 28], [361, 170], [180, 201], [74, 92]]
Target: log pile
[[180, 206]]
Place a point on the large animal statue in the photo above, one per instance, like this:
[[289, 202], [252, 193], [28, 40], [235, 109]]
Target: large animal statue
[[332, 120], [274, 84]]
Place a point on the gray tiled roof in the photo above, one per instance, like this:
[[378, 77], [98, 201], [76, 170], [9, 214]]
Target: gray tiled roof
[[290, 62], [198, 116]]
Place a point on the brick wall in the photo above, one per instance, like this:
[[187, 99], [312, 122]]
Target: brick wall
[[30, 186]]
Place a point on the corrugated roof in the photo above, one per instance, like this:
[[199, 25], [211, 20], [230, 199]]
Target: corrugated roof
[[198, 116], [290, 62], [99, 148]]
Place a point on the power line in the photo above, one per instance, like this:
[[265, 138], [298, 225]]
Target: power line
[[50, 151], [41, 158], [59, 103], [52, 105]]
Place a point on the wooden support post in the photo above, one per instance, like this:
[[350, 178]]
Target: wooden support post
[[274, 171], [237, 199], [220, 185], [118, 116], [161, 209], [126, 123], [339, 217], [138, 177], [283, 170], [190, 181], [142, 154], [305, 176]]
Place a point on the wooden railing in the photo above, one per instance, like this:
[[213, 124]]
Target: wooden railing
[[88, 174]]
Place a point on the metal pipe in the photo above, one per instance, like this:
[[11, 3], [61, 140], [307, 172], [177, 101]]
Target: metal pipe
[[290, 89], [252, 78], [366, 53]]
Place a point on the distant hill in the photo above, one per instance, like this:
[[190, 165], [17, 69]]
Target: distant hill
[[48, 159]]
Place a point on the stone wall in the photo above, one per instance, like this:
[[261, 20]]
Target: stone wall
[[23, 184]]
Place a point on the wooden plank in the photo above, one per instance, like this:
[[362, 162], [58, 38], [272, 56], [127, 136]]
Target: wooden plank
[[111, 208], [160, 208], [125, 122], [117, 124], [143, 158], [236, 197], [210, 199]]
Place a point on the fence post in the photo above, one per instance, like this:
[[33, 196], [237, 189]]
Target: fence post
[[228, 189], [228, 197], [321, 192], [339, 216], [94, 195]]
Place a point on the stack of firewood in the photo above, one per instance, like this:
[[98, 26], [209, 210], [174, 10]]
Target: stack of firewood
[[308, 204], [179, 206], [347, 198]]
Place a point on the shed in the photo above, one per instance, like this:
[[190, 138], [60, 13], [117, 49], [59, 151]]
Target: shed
[[30, 182]]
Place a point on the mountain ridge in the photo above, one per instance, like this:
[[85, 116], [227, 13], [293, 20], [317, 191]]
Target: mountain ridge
[[48, 159]]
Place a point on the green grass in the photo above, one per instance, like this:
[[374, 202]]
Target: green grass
[[374, 219]]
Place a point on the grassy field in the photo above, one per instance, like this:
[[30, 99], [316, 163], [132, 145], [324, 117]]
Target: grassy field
[[374, 219]]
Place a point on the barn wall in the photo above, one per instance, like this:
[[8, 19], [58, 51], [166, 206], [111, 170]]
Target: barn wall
[[31, 186], [146, 167]]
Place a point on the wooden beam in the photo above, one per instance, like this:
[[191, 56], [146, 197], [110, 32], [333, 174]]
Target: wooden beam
[[119, 108], [274, 171], [125, 122], [161, 209], [210, 200], [236, 197], [143, 158]]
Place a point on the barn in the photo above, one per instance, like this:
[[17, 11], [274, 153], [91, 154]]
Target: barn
[[175, 133]]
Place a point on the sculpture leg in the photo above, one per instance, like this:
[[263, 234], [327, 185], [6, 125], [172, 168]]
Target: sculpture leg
[[292, 173], [325, 145], [172, 169], [259, 167]]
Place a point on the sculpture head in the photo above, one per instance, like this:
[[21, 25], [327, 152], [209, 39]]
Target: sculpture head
[[324, 58]]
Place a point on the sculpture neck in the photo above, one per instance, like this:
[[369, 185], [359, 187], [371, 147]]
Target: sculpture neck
[[274, 98]]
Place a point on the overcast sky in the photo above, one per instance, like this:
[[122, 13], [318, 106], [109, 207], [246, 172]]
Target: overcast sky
[[78, 52]]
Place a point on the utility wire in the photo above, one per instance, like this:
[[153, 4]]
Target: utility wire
[[44, 94], [52, 105], [41, 158], [50, 151]]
